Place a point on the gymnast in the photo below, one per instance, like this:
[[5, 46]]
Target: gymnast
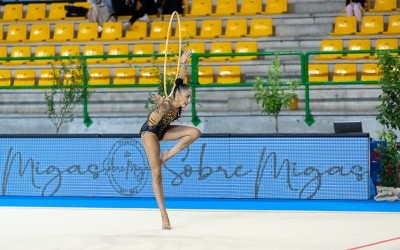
[[157, 128]]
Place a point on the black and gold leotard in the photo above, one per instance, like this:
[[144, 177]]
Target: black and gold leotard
[[161, 127]]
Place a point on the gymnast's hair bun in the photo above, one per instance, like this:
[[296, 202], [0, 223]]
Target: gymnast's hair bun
[[179, 82]]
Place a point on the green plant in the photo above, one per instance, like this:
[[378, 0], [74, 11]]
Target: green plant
[[274, 96], [66, 93], [389, 117]]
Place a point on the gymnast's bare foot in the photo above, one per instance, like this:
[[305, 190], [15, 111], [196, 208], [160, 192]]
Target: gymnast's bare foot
[[164, 157], [165, 223]]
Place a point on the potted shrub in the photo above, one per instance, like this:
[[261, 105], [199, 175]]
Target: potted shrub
[[274, 96]]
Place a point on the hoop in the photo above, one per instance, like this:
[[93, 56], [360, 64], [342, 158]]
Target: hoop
[[165, 53]]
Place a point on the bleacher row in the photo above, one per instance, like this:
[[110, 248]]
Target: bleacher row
[[56, 11], [85, 31], [370, 25], [318, 73], [344, 72], [355, 45], [123, 50], [117, 75]]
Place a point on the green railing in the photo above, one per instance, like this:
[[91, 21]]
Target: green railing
[[303, 58]]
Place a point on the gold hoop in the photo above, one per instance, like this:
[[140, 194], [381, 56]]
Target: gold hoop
[[175, 13]]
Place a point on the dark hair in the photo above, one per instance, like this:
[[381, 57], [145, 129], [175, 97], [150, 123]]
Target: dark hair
[[179, 87]]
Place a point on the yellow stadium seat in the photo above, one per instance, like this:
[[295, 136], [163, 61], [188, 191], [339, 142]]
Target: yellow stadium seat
[[344, 25], [39, 32], [229, 74], [245, 47], [46, 77], [261, 27], [24, 77], [171, 73], [197, 47], [35, 12], [16, 33], [137, 31], [87, 32], [44, 51], [99, 76], [251, 7], [345, 73], [111, 31], [371, 25], [218, 48], [235, 28], [117, 49], [225, 8], [149, 75], [3, 53], [200, 8], [93, 50], [159, 30], [358, 44], [173, 48], [124, 76], [57, 11], [1, 32], [210, 29], [370, 72], [12, 12], [206, 74], [19, 51], [63, 32], [69, 50], [330, 45], [393, 25], [68, 76], [318, 73], [188, 30], [5, 77], [384, 6], [142, 49], [386, 44], [276, 7]]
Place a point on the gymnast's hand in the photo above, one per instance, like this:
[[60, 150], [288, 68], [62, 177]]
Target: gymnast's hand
[[186, 55], [155, 97]]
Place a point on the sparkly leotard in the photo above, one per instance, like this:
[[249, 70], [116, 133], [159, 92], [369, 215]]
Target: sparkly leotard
[[162, 126]]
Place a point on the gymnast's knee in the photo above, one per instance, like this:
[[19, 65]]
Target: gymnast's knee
[[196, 133], [157, 177]]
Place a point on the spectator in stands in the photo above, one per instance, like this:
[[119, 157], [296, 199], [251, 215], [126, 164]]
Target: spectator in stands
[[148, 7], [101, 11], [355, 8], [157, 128]]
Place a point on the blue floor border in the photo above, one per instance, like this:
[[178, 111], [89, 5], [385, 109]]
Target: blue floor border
[[204, 204]]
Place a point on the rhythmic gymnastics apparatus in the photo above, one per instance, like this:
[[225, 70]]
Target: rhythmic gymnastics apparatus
[[157, 128]]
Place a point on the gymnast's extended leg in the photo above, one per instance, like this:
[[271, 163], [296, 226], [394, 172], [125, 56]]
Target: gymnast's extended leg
[[185, 134], [152, 147]]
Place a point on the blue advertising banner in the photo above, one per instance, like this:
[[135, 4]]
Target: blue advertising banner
[[287, 167]]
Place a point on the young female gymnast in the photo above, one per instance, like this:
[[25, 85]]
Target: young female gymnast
[[157, 128]]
